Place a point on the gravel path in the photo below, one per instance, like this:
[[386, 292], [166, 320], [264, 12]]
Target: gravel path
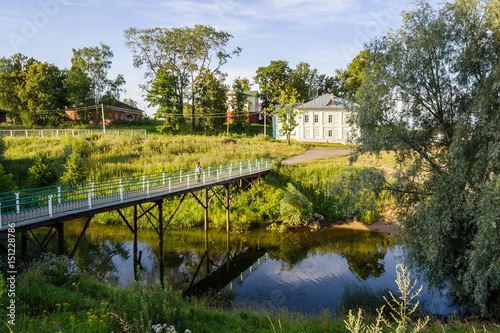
[[316, 154]]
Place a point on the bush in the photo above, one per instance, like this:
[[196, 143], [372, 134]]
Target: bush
[[59, 270], [40, 173], [357, 190], [76, 170], [295, 209]]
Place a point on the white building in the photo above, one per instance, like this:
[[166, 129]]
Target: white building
[[324, 119]]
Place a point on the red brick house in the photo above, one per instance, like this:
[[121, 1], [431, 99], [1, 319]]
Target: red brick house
[[117, 111]]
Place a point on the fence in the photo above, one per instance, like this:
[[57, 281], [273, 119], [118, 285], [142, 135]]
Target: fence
[[42, 133], [48, 201]]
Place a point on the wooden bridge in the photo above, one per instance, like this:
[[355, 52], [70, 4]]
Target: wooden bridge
[[23, 211]]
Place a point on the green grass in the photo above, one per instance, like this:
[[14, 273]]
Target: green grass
[[91, 306]]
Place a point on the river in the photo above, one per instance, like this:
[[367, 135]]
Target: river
[[302, 270]]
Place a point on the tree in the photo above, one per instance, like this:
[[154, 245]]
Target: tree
[[303, 80], [272, 80], [79, 87], [130, 102], [430, 94], [287, 113], [352, 78], [187, 52], [40, 174], [12, 71], [239, 103], [212, 101], [76, 170], [162, 93], [95, 62], [42, 89]]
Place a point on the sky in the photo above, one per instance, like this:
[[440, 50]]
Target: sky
[[327, 34]]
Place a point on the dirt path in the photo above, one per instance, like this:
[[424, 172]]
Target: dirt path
[[316, 154]]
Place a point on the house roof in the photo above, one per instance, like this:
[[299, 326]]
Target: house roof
[[122, 105], [324, 101], [3, 111]]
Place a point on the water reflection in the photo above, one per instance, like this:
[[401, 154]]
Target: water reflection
[[302, 270]]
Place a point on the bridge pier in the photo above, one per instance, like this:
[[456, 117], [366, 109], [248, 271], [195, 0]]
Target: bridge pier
[[60, 238], [160, 243]]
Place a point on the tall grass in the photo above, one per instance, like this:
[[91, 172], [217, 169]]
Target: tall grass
[[113, 156]]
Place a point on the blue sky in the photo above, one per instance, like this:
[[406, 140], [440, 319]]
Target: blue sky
[[325, 33]]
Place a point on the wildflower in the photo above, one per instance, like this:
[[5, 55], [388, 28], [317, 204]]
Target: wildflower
[[58, 305], [187, 331], [104, 303], [66, 304]]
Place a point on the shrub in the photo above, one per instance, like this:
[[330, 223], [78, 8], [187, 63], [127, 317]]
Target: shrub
[[357, 190], [40, 173], [59, 270], [295, 209], [76, 170]]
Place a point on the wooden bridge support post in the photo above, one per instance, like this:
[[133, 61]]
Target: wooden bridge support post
[[60, 238], [227, 207], [160, 234], [206, 209], [134, 227]]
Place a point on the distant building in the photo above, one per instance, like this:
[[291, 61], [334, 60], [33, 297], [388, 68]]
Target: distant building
[[324, 119], [252, 107], [115, 112], [3, 116]]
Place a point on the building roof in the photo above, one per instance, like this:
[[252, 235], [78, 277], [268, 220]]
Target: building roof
[[3, 111], [324, 101], [121, 105]]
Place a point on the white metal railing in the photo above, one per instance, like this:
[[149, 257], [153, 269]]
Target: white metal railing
[[43, 133], [31, 204]]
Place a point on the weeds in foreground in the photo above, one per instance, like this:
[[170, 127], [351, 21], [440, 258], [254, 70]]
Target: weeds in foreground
[[403, 308]]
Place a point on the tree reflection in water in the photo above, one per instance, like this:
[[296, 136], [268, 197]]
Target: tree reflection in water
[[106, 251]]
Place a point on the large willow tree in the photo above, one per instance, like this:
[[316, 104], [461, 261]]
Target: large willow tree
[[431, 93]]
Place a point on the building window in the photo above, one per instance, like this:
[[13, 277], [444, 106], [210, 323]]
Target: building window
[[330, 133], [306, 118], [330, 118], [316, 118]]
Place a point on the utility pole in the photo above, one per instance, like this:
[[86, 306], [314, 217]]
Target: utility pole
[[103, 124]]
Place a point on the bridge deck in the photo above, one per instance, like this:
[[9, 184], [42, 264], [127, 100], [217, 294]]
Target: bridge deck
[[67, 202]]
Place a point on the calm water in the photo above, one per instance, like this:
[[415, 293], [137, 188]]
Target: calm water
[[302, 270]]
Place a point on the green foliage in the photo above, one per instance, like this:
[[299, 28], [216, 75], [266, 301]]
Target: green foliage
[[162, 94], [58, 270], [6, 183], [76, 170], [402, 309], [40, 173], [272, 80], [211, 101], [42, 88], [239, 103], [187, 52], [352, 78], [95, 63], [357, 191], [287, 113], [430, 94], [295, 209]]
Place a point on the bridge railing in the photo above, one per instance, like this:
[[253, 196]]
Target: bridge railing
[[25, 205]]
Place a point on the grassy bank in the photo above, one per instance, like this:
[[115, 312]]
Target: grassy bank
[[63, 300], [113, 156]]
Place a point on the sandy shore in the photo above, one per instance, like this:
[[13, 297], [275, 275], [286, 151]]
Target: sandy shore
[[380, 226]]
